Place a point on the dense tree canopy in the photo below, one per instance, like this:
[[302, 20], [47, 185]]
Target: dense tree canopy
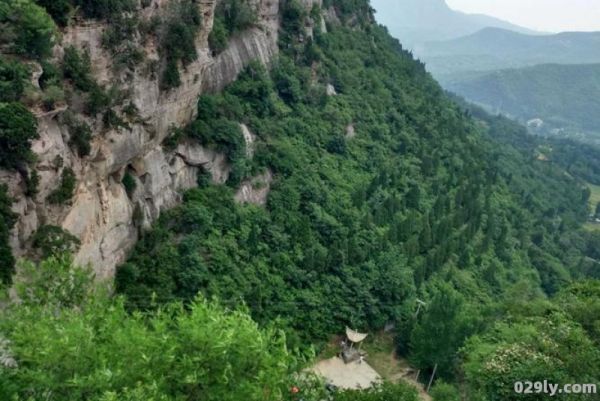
[[357, 227], [68, 341], [26, 28], [390, 203]]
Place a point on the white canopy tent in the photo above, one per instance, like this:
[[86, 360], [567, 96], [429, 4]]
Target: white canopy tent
[[354, 336]]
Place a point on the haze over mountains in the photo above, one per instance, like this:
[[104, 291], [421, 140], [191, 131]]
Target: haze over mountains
[[504, 67], [415, 22], [494, 48], [565, 97]]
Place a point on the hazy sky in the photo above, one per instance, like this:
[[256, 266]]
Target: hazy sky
[[541, 15]]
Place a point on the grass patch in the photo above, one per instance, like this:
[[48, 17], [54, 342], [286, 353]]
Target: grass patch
[[381, 356], [329, 349], [380, 350], [589, 226]]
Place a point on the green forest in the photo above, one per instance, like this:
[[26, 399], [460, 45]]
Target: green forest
[[387, 192], [563, 96]]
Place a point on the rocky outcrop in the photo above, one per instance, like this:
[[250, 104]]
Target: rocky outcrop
[[102, 214], [256, 189]]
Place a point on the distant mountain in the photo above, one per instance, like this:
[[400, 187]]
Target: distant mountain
[[565, 97], [495, 48], [415, 22]]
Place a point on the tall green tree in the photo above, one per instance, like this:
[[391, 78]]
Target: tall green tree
[[18, 127], [443, 326]]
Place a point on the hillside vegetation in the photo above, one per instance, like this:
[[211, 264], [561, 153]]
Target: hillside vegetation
[[565, 97], [428, 199], [423, 202]]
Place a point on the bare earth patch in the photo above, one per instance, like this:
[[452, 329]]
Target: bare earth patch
[[352, 376]]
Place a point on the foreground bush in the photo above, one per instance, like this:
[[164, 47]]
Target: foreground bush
[[71, 342], [387, 392]]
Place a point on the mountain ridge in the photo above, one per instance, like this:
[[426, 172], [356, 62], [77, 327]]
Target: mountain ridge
[[495, 48], [565, 97], [415, 22]]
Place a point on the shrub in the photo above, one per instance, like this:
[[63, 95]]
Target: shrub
[[27, 28], [293, 15], [204, 178], [60, 10], [78, 68], [53, 283], [179, 40], [54, 241], [225, 135], [13, 77], [104, 9], [81, 135], [218, 37], [18, 127], [119, 39], [104, 101], [208, 107], [444, 392], [7, 221], [170, 78], [123, 28], [128, 56], [112, 120], [52, 96], [238, 14], [108, 354], [65, 190], [32, 182], [98, 101], [230, 16], [285, 78], [172, 140], [51, 75], [337, 145], [254, 87], [129, 183], [385, 392]]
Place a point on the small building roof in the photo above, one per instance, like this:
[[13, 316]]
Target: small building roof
[[355, 336]]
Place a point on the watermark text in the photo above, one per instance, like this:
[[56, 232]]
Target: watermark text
[[553, 389]]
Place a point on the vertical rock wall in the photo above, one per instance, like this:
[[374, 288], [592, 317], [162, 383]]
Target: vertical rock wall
[[101, 214]]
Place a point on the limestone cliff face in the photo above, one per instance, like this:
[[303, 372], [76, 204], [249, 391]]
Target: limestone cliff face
[[101, 214]]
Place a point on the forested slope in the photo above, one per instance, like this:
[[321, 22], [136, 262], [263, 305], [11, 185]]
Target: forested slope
[[422, 202], [563, 96], [384, 190]]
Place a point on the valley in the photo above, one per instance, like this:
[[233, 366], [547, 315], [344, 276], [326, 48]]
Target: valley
[[526, 75]]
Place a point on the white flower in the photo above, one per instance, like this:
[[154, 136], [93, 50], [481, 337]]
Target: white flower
[[6, 358]]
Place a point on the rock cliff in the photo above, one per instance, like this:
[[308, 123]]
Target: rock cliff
[[101, 214]]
